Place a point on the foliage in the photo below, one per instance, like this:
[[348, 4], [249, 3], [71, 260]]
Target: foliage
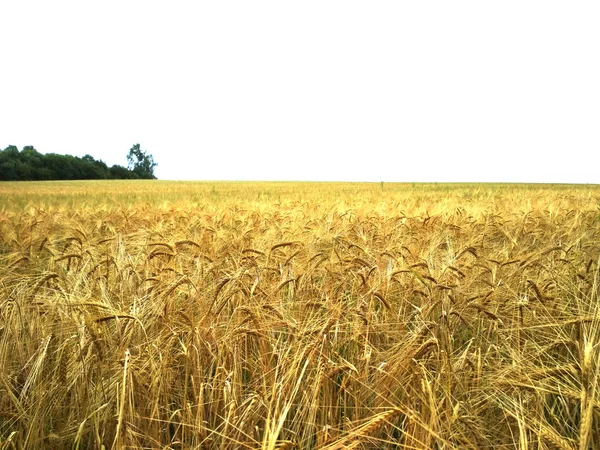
[[140, 163], [30, 165]]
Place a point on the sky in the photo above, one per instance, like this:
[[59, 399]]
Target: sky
[[310, 90]]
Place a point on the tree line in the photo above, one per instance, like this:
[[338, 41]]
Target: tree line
[[30, 165]]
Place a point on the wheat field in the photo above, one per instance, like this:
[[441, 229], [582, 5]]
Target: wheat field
[[180, 315]]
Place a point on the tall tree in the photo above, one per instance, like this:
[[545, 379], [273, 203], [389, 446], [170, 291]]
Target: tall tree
[[141, 163]]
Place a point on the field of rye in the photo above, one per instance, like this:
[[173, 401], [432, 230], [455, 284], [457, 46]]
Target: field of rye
[[180, 315]]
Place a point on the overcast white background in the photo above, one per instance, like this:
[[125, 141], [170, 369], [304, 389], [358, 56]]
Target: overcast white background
[[310, 90]]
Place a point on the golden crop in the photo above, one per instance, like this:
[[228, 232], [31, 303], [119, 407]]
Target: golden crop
[[299, 315]]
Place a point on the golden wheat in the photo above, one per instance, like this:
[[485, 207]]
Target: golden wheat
[[299, 315]]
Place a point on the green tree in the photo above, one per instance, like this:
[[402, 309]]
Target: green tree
[[29, 164], [117, 172], [141, 163]]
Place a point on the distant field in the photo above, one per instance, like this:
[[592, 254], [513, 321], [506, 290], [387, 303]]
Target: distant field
[[193, 315], [408, 198]]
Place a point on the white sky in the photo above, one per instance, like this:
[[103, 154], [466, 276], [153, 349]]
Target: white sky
[[310, 90]]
